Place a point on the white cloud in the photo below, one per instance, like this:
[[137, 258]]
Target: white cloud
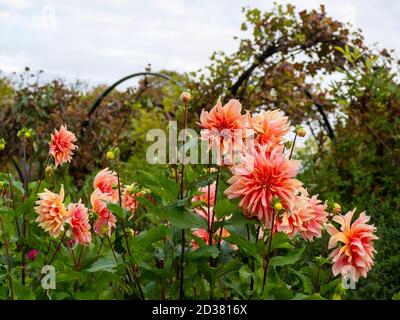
[[104, 40]]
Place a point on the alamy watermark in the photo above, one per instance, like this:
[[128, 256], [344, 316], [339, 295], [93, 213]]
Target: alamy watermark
[[228, 147]]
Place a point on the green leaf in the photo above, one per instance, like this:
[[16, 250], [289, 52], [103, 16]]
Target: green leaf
[[26, 207], [166, 188], [103, 264], [22, 292], [223, 208], [330, 285], [280, 240], [185, 219], [120, 212], [301, 296], [282, 293], [243, 244], [144, 239], [227, 268], [307, 284], [292, 257]]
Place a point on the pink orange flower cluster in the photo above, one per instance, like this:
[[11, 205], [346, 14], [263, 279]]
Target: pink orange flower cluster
[[51, 212], [205, 209], [107, 182], [305, 216], [105, 186], [78, 219], [354, 253], [62, 145], [53, 217], [224, 128], [266, 173]]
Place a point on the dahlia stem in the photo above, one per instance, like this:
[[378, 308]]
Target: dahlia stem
[[267, 257], [25, 223], [324, 250], [42, 173], [209, 221], [72, 255], [7, 245], [183, 240], [12, 195], [30, 159], [215, 197], [253, 266], [52, 257], [125, 235], [78, 264], [112, 249], [294, 142]]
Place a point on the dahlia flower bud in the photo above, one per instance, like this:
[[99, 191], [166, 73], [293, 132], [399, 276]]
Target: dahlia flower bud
[[300, 131], [21, 133], [186, 97], [2, 144], [112, 153], [278, 206], [29, 134], [336, 208], [49, 170], [288, 144], [132, 188], [276, 203]]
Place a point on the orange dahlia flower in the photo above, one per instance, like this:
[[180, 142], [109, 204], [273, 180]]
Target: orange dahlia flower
[[304, 216], [202, 210], [51, 212], [354, 257], [105, 221], [62, 145], [270, 127], [223, 127], [79, 222], [205, 236], [107, 182], [268, 174]]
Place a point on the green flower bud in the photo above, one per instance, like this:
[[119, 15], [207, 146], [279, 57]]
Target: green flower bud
[[2, 144], [110, 155], [300, 131], [186, 97]]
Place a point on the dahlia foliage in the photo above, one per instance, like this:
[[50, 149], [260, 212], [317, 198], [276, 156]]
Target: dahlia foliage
[[239, 227]]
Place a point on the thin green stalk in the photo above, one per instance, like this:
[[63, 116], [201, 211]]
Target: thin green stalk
[[267, 257], [294, 142], [183, 240], [7, 245]]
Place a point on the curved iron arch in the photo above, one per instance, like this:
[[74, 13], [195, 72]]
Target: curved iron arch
[[98, 101]]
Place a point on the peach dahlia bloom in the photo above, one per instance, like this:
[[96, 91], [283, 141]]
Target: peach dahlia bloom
[[105, 221], [355, 253], [223, 127], [202, 209], [62, 145], [205, 236], [270, 127], [304, 216], [107, 182], [79, 222], [259, 178], [51, 212]]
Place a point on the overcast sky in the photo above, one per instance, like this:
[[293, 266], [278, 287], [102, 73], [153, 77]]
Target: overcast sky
[[103, 40]]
